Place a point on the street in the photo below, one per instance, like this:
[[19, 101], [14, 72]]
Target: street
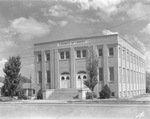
[[73, 111]]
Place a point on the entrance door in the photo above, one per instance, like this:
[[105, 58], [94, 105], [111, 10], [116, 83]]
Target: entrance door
[[80, 80], [64, 81]]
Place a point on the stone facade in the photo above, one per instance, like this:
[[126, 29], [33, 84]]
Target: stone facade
[[61, 64]]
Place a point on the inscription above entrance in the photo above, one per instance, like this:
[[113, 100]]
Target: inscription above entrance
[[71, 43]]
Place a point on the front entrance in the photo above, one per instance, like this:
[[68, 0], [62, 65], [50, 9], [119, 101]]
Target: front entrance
[[65, 80], [81, 76]]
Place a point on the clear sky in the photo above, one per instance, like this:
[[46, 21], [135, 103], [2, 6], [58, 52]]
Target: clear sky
[[25, 22]]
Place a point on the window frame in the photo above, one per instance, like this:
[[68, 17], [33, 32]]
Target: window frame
[[48, 75], [47, 56], [100, 52], [39, 59], [101, 74], [39, 77], [111, 74], [111, 50]]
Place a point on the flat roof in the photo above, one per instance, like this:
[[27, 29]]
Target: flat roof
[[87, 37]]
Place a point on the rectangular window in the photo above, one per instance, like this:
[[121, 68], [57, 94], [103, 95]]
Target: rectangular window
[[39, 58], [47, 57], [83, 53], [111, 52], [123, 75], [39, 76], [78, 53], [67, 55], [48, 76], [100, 74], [131, 58], [120, 53], [100, 52], [124, 54], [128, 56], [111, 73], [62, 55]]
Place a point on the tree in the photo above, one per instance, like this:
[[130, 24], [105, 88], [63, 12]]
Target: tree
[[91, 68], [24, 79], [12, 82]]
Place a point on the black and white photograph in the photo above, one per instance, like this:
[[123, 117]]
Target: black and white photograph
[[74, 59]]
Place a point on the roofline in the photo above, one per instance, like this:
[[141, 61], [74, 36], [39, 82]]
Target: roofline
[[76, 38], [87, 37], [130, 44]]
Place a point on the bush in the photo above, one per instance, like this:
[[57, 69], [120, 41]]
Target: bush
[[39, 94], [22, 96], [105, 93], [147, 89], [89, 95]]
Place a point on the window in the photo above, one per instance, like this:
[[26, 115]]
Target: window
[[64, 55], [67, 77], [123, 75], [111, 73], [100, 74], [78, 53], [131, 58], [120, 53], [124, 54], [48, 76], [111, 52], [39, 76], [47, 57], [127, 56], [81, 53], [67, 55], [100, 52], [39, 58], [113, 94]]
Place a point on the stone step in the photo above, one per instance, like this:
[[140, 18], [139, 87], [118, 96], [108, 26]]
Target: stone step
[[63, 94]]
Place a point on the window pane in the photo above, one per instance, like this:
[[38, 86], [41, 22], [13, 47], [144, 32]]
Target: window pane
[[111, 52], [101, 74], [84, 53], [100, 52], [61, 55], [47, 56], [40, 76], [48, 76], [67, 55], [39, 58], [111, 71], [78, 53]]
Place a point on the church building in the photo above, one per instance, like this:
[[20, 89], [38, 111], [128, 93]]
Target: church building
[[62, 64]]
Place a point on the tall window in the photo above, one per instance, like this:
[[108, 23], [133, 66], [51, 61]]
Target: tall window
[[39, 57], [39, 76], [48, 76], [111, 52], [67, 55], [100, 74], [100, 52], [123, 75], [128, 56], [47, 57], [124, 54], [64, 55], [120, 54], [111, 73], [81, 53]]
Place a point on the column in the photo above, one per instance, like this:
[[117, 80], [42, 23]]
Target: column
[[105, 63], [35, 72], [43, 75], [56, 65], [52, 68], [72, 69], [121, 70], [116, 70], [130, 73]]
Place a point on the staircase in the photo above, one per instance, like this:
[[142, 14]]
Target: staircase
[[63, 94]]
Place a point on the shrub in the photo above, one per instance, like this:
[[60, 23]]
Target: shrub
[[105, 93], [147, 89], [39, 94], [89, 95], [22, 96]]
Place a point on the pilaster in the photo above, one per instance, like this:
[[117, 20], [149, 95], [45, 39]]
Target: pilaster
[[52, 68], [105, 63], [72, 68], [57, 76], [43, 76]]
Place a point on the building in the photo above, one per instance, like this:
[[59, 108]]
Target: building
[[61, 64], [28, 89]]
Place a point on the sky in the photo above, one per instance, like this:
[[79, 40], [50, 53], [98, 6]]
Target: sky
[[26, 22]]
